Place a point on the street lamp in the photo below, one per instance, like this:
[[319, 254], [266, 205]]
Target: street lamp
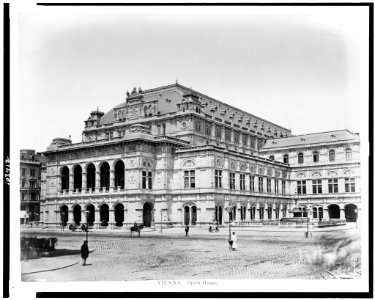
[[229, 210], [87, 213], [308, 220], [161, 222]]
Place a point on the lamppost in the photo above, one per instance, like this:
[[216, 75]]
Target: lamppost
[[87, 213], [161, 222], [229, 210], [308, 208], [356, 217], [62, 220]]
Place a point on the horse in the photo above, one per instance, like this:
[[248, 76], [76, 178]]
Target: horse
[[136, 228]]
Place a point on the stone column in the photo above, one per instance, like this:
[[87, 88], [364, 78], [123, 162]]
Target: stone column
[[257, 212], [84, 181], [97, 181], [111, 221], [325, 212], [281, 209], [273, 215], [125, 217], [111, 180], [70, 217], [97, 218], [71, 182], [342, 212]]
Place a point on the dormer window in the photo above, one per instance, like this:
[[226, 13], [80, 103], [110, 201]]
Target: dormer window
[[300, 158]]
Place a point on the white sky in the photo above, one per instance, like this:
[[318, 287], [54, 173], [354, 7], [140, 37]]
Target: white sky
[[296, 67]]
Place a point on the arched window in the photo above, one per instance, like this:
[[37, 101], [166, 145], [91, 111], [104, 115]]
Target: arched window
[[316, 156], [332, 155], [348, 154], [272, 157], [286, 159], [300, 158]]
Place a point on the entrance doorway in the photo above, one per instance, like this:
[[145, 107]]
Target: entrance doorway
[[119, 214], [77, 214], [187, 215], [147, 214], [104, 215], [334, 211], [350, 214]]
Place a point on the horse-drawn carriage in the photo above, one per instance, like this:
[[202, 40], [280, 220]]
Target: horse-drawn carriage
[[74, 227], [136, 228], [42, 246]]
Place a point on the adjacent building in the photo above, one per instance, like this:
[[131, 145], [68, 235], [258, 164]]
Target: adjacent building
[[175, 155], [31, 164]]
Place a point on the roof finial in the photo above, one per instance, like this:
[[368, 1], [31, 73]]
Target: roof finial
[[176, 81], [97, 108]]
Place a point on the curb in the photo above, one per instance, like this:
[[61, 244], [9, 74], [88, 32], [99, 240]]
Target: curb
[[48, 270]]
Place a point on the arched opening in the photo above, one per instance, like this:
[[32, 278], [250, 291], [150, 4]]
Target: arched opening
[[65, 178], [300, 158], [334, 211], [104, 176], [91, 177], [104, 215], [219, 215], [77, 214], [147, 214], [316, 156], [78, 177], [286, 159], [269, 212], [194, 215], [119, 214], [320, 213], [187, 215], [64, 215], [351, 212], [91, 217], [315, 212], [119, 174]]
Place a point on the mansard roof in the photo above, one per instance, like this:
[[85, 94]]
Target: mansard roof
[[312, 138], [169, 96]]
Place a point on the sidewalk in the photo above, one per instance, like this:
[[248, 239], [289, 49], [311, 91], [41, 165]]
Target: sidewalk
[[44, 264]]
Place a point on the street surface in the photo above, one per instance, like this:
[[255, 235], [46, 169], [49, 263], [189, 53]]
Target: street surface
[[114, 255]]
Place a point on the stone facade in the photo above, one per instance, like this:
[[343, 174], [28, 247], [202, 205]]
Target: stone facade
[[30, 184], [172, 155]]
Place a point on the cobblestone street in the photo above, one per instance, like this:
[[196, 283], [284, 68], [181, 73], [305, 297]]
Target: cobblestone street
[[114, 255]]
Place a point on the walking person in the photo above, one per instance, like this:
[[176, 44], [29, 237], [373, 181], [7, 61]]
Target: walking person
[[234, 241], [187, 230], [84, 252]]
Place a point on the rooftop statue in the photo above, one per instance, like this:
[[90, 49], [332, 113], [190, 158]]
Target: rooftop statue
[[127, 93], [134, 92]]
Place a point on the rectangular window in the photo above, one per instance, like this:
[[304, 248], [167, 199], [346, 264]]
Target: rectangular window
[[197, 125], [189, 179], [268, 185], [23, 196], [251, 183], [218, 174], [244, 139], [333, 186], [317, 186], [236, 138], [301, 187], [349, 185], [23, 172], [146, 180], [283, 187], [227, 135], [32, 184], [149, 180], [260, 184], [218, 132], [276, 186], [208, 129], [252, 142], [32, 172], [242, 182], [232, 181]]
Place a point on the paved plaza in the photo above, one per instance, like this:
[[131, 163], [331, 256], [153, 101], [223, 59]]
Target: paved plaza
[[115, 255]]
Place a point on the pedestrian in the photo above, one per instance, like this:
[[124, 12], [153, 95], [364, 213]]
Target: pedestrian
[[187, 230], [84, 252], [234, 241]]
